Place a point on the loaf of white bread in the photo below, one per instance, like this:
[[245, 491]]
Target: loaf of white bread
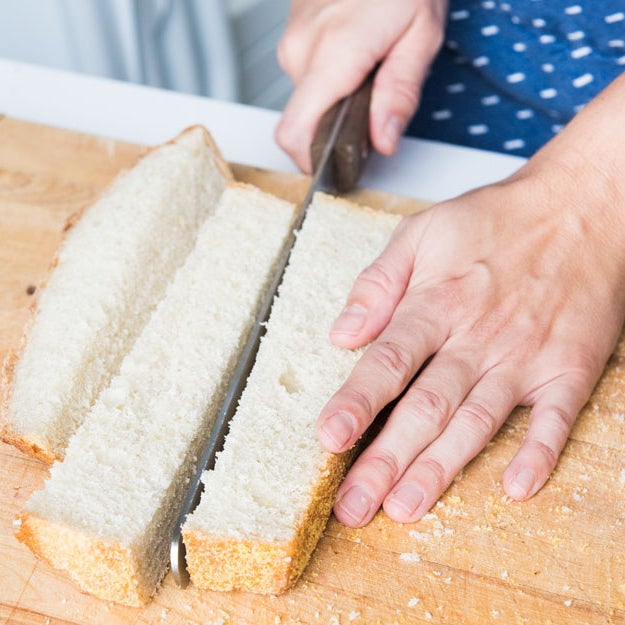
[[268, 499], [107, 512], [110, 273]]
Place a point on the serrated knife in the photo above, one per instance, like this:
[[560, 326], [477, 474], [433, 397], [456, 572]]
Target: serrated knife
[[338, 153]]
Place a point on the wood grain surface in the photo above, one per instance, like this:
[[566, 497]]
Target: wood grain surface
[[476, 558]]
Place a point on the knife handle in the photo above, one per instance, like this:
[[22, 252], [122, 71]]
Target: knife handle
[[353, 143]]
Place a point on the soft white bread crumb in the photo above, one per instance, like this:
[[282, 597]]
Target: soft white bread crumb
[[111, 272], [107, 512], [268, 499]]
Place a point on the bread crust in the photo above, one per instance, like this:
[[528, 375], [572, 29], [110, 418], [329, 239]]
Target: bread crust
[[105, 569], [223, 563], [7, 372]]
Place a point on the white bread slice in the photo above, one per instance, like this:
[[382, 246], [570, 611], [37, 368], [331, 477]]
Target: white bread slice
[[107, 512], [268, 499], [110, 273]]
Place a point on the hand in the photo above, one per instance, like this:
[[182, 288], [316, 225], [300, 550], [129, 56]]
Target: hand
[[330, 46], [518, 292]]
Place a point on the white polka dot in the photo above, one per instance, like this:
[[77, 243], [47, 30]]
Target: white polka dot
[[614, 17], [516, 77], [547, 67], [515, 19], [525, 114], [489, 31], [460, 60], [620, 61], [441, 115], [574, 9], [505, 6], [481, 61], [489, 4], [546, 39], [580, 53], [456, 87], [556, 128], [538, 22], [616, 43], [455, 16], [578, 107], [583, 80], [576, 35], [478, 129], [490, 100], [519, 47], [514, 144], [547, 94]]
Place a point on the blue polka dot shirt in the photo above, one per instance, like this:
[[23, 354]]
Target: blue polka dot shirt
[[511, 74]]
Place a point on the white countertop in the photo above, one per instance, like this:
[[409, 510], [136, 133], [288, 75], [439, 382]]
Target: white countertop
[[425, 169]]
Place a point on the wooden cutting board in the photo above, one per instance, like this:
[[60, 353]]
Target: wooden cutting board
[[475, 558]]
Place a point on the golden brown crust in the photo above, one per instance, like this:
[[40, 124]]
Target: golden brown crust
[[221, 563], [105, 569]]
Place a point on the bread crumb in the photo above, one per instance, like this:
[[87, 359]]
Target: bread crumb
[[494, 613], [504, 575], [436, 573], [334, 620], [187, 607], [353, 615], [411, 556], [413, 602], [447, 580], [277, 620], [428, 615], [429, 516], [47, 620], [568, 603], [17, 523], [164, 613], [440, 504], [566, 509], [420, 535]]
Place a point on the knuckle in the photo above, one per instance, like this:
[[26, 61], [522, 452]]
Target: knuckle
[[384, 464], [287, 51], [436, 471], [427, 408], [361, 401], [544, 451], [377, 276], [393, 358], [478, 417]]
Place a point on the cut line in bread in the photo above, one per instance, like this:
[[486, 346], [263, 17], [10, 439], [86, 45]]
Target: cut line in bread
[[268, 499]]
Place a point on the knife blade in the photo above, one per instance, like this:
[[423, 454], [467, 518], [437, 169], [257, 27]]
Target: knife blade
[[338, 153]]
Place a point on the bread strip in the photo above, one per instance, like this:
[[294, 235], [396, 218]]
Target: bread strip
[[268, 499], [110, 273], [107, 512]]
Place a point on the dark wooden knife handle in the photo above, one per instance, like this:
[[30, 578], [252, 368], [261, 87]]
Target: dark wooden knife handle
[[352, 145]]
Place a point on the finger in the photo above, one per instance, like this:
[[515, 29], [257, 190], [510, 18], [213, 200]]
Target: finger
[[398, 84], [471, 427], [381, 374], [551, 420], [325, 83], [416, 421], [378, 289]]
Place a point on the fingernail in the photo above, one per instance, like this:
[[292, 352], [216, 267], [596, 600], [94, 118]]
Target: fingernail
[[356, 504], [393, 131], [405, 500], [522, 484], [351, 320], [338, 429]]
